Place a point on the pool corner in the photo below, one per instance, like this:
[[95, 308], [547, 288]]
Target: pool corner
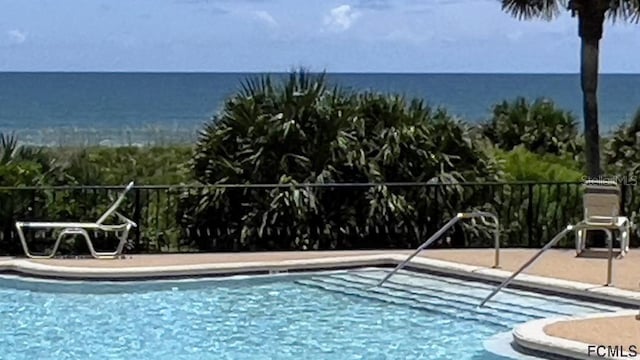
[[571, 341]]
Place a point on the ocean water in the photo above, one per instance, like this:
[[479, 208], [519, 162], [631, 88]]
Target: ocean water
[[324, 316], [98, 106]]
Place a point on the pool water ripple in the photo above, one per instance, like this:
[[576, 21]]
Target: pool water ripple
[[308, 317]]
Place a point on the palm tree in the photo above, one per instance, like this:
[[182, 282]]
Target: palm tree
[[591, 16]]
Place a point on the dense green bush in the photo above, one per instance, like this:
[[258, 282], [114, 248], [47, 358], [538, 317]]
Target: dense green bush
[[622, 149], [523, 165], [119, 165], [538, 126], [622, 159], [303, 132], [541, 207], [539, 143]]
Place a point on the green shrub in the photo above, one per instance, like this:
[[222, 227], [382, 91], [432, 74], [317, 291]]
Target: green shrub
[[301, 131], [549, 201], [622, 159], [622, 149], [520, 164], [119, 165], [538, 126]]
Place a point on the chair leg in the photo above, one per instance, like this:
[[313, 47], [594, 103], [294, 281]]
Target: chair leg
[[87, 238], [624, 241], [25, 246], [122, 239], [610, 238], [581, 238]]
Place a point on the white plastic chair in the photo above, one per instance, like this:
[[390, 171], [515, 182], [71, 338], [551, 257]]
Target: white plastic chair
[[80, 228], [601, 212]]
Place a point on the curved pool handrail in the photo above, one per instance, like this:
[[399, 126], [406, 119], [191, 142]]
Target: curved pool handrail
[[483, 215], [549, 245]]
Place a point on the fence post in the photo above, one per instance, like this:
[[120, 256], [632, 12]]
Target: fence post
[[137, 211], [623, 198], [530, 216]]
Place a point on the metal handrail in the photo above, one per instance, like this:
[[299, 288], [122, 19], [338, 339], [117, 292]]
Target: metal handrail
[[459, 216], [550, 244]]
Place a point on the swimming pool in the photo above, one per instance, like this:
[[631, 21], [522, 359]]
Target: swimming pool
[[324, 315]]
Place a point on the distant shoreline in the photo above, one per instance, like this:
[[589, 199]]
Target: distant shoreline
[[154, 136], [174, 103], [317, 72]]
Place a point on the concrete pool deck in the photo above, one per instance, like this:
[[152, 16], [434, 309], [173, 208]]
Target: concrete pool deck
[[620, 330], [559, 264], [557, 270]]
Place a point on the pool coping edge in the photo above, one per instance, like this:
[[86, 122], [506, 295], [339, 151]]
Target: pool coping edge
[[566, 287], [133, 273], [532, 336]]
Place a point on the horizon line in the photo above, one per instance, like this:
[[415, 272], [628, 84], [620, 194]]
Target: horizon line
[[288, 72]]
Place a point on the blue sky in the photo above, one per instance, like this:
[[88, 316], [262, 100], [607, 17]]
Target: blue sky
[[276, 35]]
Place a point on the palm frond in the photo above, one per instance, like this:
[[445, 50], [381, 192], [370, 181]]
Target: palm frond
[[530, 9], [8, 147], [626, 10]]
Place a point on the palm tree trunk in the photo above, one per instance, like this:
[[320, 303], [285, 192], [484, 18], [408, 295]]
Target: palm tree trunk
[[589, 80], [591, 16], [591, 23]]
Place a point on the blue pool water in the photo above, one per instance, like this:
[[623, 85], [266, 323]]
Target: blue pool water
[[331, 315]]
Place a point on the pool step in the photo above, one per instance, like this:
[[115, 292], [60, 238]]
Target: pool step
[[446, 296], [454, 297], [479, 290], [390, 299], [529, 302], [433, 301]]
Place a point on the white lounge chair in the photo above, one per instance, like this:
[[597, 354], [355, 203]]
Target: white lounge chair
[[81, 228], [601, 212]]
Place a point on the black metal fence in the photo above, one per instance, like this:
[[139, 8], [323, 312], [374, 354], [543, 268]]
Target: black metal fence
[[300, 217]]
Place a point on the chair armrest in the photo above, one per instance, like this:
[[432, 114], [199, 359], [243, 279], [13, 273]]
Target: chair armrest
[[126, 219]]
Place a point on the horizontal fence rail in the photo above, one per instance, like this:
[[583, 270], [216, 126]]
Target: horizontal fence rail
[[259, 217]]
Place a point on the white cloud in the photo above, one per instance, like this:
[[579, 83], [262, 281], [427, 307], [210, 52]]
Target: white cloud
[[341, 18], [266, 18], [17, 36]]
